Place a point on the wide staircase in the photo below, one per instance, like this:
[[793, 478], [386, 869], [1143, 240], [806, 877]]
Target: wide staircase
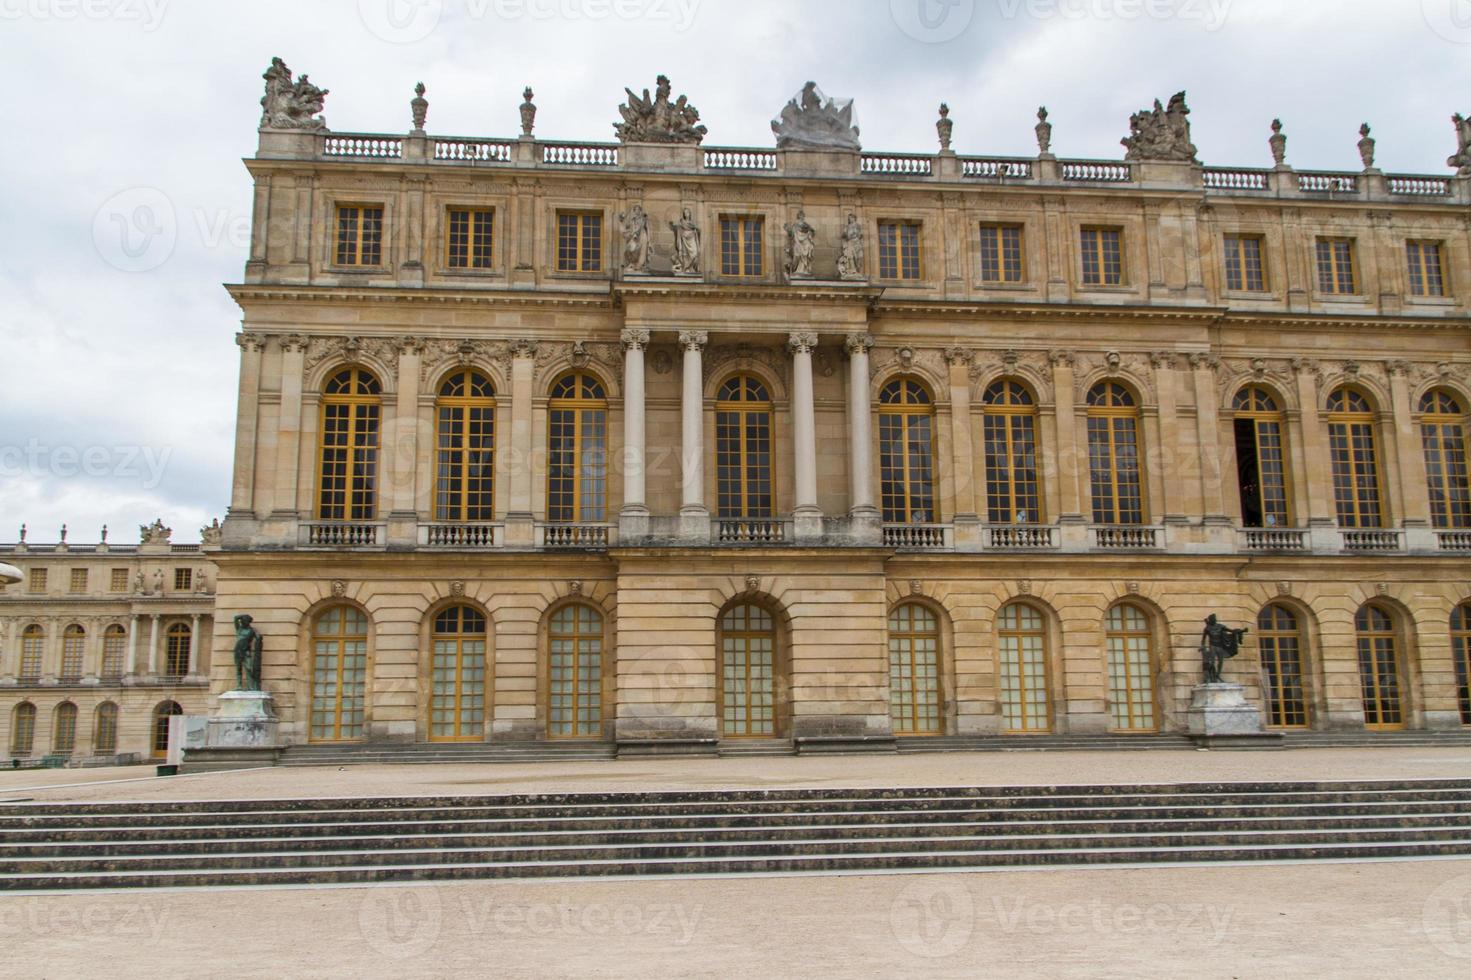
[[67, 846], [381, 753]]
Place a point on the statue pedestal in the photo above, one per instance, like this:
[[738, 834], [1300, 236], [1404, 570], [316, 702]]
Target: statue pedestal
[[240, 734], [1219, 717]]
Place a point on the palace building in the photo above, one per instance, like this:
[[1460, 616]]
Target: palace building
[[662, 446]]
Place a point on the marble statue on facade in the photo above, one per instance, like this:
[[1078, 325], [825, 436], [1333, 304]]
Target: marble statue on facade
[[528, 112], [944, 126], [1218, 643], [635, 228], [686, 244], [1278, 144], [801, 244], [248, 647], [291, 105], [211, 536], [1462, 158], [1161, 134], [657, 119], [812, 121], [1043, 130], [419, 108], [850, 254], [1366, 147], [154, 533]]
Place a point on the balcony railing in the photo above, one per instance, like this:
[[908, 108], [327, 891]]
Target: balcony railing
[[739, 158], [1273, 539], [362, 145], [1453, 540], [472, 150], [580, 154], [461, 535], [341, 534], [1324, 183], [1097, 171], [996, 168], [1021, 537], [748, 531], [1415, 185], [896, 164], [1127, 538], [1235, 179], [1375, 540], [575, 537], [918, 537]]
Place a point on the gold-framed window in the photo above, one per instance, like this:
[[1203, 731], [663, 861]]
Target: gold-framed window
[[1114, 455], [1102, 251], [577, 450], [104, 729], [1245, 269], [1443, 424], [1129, 640], [907, 452], [177, 640], [575, 672], [37, 580], [339, 675], [916, 692], [1009, 430], [64, 729], [118, 580], [1026, 700], [742, 238], [32, 652], [159, 730], [1261, 458], [1336, 265], [78, 581], [464, 488], [748, 670], [351, 416], [743, 448], [359, 235], [1280, 640], [1377, 637], [114, 651], [900, 250], [1002, 258], [23, 730], [1353, 447], [1426, 273], [73, 650], [469, 238], [579, 241], [457, 705], [183, 579], [1461, 653]]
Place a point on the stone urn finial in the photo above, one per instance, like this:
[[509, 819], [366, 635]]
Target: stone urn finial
[[1366, 147], [944, 126], [528, 113], [1044, 133], [419, 107], [1278, 143]]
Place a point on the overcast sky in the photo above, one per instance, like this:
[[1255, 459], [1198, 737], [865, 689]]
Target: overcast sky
[[118, 395]]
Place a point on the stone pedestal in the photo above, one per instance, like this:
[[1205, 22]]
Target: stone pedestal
[[1219, 717], [240, 734]]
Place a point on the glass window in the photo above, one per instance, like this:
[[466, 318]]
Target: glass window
[[1427, 278], [470, 238], [579, 241], [1353, 448], [104, 737], [1103, 256], [1001, 253], [339, 675], [457, 708], [747, 673], [577, 447], [1114, 454], [1026, 705], [1261, 463], [360, 234], [914, 671], [351, 413], [1130, 669], [465, 460], [907, 452], [1281, 644], [1335, 260], [1009, 424], [1443, 424], [743, 451], [575, 661], [1244, 270], [1379, 677], [741, 245], [899, 250]]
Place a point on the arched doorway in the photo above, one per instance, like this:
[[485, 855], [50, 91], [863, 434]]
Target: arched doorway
[[1130, 640], [457, 687], [1379, 668], [916, 698], [1279, 638], [749, 667], [575, 672]]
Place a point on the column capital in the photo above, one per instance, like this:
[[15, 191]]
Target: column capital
[[409, 345], [634, 339], [254, 343], [294, 343], [1060, 358], [858, 343], [956, 356], [802, 342], [692, 340], [523, 347]]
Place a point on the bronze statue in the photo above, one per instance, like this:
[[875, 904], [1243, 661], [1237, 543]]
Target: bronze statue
[[247, 655], [1218, 643]]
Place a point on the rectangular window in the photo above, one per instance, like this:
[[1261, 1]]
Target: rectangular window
[[1427, 277], [899, 250], [119, 580], [741, 246], [183, 579], [38, 580], [579, 241], [1244, 263], [1336, 267], [78, 581], [1103, 256], [359, 234], [470, 238], [1001, 253]]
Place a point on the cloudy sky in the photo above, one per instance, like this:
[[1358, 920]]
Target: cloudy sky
[[124, 204]]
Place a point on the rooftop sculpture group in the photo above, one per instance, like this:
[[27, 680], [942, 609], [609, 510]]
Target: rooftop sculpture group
[[291, 105], [1161, 133], [658, 120], [813, 121]]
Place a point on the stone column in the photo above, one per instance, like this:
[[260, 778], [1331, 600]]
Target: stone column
[[133, 667], [401, 449], [1070, 518], [694, 516], [865, 526], [1412, 490], [520, 521], [963, 456], [247, 418], [634, 517], [154, 668], [1316, 490], [192, 667], [807, 516], [1219, 534], [288, 436], [1171, 507]]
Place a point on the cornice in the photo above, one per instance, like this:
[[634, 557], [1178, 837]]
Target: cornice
[[269, 294]]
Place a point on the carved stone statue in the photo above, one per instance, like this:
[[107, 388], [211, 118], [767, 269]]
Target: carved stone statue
[[154, 533], [658, 120], [291, 105], [419, 108], [528, 112], [801, 243], [1044, 132], [635, 228], [248, 646], [211, 536], [1161, 134], [850, 255], [1278, 143], [140, 584], [812, 121], [1218, 643], [686, 244], [1366, 147], [1462, 158], [944, 126]]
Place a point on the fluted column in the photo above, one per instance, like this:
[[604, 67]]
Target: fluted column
[[134, 667], [692, 417], [153, 655], [242, 492], [519, 517], [288, 431], [806, 514], [860, 428], [635, 342], [193, 666]]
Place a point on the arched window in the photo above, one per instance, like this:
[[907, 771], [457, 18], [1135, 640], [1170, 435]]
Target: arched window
[[159, 736], [747, 672], [114, 647], [1113, 455], [743, 448], [1354, 449], [1261, 459], [73, 647], [1443, 432], [907, 452], [64, 729], [914, 671], [104, 732], [32, 650], [465, 464], [1379, 674], [1461, 651], [1026, 704], [577, 450], [177, 641], [575, 665], [457, 707], [1130, 669], [339, 674], [23, 730], [351, 416], [1010, 430], [1280, 640]]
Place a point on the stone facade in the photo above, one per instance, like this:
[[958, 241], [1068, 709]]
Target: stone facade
[[1127, 277]]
